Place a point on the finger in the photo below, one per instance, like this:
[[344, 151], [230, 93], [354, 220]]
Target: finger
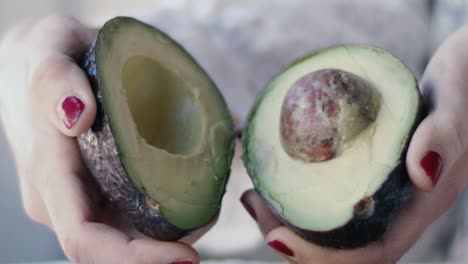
[[255, 206], [424, 208], [437, 144], [59, 34], [113, 219], [290, 246], [199, 233], [297, 250], [440, 139], [72, 217], [32, 202], [98, 243], [62, 92]]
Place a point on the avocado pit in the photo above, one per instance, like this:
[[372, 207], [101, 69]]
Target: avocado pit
[[323, 110]]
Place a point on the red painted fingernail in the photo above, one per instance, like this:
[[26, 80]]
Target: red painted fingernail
[[72, 108], [182, 262], [279, 246], [432, 166], [247, 207]]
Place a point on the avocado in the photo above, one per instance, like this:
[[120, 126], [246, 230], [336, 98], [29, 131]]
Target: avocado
[[325, 143], [162, 143]]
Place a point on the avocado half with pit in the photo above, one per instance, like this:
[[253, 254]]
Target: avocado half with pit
[[325, 143], [163, 139]]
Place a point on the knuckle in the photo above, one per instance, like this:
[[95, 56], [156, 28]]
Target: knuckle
[[30, 209], [58, 33], [56, 29], [35, 211], [54, 20], [31, 201], [49, 69], [71, 249], [451, 197], [458, 131]]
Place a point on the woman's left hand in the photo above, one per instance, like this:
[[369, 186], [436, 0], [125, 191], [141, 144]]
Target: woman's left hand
[[437, 163]]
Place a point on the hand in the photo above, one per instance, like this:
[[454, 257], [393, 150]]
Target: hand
[[437, 162], [38, 77]]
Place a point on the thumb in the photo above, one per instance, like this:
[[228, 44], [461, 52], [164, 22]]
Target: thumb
[[260, 213], [60, 89], [440, 139], [62, 92]]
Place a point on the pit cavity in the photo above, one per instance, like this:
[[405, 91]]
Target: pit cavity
[[164, 107]]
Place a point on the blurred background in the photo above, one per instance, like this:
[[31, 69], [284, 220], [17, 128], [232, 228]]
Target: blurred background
[[236, 236]]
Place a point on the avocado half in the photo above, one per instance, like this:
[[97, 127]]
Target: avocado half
[[343, 194], [163, 139]]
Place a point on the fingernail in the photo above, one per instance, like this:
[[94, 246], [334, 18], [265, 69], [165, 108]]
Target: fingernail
[[279, 246], [72, 108], [432, 166], [247, 207], [182, 262]]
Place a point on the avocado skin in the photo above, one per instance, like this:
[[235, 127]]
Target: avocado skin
[[101, 155], [389, 199]]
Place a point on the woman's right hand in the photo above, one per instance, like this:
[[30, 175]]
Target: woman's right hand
[[45, 102]]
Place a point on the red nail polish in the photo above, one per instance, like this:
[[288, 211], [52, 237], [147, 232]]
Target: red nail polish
[[432, 165], [72, 107], [279, 246], [182, 262], [247, 207]]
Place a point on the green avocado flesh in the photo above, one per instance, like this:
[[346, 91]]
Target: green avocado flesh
[[172, 128], [322, 196]]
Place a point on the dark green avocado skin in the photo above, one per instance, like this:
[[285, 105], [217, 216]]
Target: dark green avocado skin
[[101, 155], [359, 231]]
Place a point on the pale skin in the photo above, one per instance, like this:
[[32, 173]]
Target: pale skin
[[57, 191]]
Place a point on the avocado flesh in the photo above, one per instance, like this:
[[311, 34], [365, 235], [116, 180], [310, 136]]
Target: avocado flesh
[[171, 126], [322, 196]]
